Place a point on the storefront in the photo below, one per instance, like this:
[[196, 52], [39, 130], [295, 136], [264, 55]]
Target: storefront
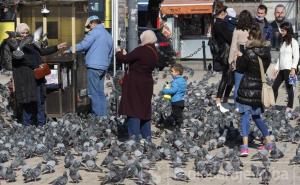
[[189, 22]]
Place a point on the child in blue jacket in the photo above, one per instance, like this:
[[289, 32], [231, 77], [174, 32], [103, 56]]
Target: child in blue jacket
[[177, 91]]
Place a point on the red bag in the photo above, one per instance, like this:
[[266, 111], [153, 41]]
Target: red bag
[[42, 71]]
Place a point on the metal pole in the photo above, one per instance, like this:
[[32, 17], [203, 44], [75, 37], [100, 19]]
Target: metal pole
[[132, 25], [114, 30], [204, 55]]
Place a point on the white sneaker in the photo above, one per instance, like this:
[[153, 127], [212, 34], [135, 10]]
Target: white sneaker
[[222, 109]]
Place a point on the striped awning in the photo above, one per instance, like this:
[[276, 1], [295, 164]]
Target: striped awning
[[186, 6]]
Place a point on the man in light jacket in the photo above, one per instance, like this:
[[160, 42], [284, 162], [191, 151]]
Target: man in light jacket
[[98, 45]]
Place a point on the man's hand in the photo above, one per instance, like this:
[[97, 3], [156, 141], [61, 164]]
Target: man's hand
[[62, 45]]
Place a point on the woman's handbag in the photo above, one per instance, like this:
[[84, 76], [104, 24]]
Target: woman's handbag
[[42, 71], [267, 95]]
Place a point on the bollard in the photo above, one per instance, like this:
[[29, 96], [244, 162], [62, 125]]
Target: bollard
[[204, 55]]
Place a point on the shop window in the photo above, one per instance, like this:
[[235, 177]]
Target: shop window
[[242, 1], [52, 29], [194, 24]]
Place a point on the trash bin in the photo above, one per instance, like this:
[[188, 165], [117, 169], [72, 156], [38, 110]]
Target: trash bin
[[82, 99], [60, 85]]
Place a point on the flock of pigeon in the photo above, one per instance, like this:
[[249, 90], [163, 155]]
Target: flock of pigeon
[[208, 138]]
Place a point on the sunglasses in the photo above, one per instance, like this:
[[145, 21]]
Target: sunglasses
[[25, 33]]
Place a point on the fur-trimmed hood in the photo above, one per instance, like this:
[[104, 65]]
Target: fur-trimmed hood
[[258, 48], [258, 43]]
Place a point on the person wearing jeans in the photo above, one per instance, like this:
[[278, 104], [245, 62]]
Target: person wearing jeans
[[287, 63], [139, 128], [96, 91], [237, 80], [137, 86], [248, 99], [29, 91], [239, 40], [35, 110], [98, 45]]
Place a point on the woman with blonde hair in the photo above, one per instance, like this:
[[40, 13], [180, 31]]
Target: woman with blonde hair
[[137, 86]]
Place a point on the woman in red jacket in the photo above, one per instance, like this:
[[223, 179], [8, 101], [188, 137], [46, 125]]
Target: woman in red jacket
[[137, 87]]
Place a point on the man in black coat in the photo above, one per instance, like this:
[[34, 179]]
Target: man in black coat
[[264, 25], [279, 13]]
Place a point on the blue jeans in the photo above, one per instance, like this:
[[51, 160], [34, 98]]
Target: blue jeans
[[139, 128], [96, 91], [258, 121], [237, 80], [35, 110]]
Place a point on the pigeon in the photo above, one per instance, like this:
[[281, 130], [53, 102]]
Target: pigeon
[[228, 168], [145, 178], [179, 175], [266, 176], [256, 170], [275, 153], [10, 175], [49, 167], [69, 158], [112, 177], [61, 180], [91, 166], [74, 175], [34, 173]]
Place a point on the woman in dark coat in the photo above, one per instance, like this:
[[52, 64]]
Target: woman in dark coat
[[137, 87], [30, 93], [223, 34], [249, 93]]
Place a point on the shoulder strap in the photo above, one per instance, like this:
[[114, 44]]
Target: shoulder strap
[[262, 70], [154, 52], [292, 48]]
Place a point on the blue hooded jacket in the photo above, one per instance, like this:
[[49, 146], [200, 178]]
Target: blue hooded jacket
[[98, 45], [177, 90]]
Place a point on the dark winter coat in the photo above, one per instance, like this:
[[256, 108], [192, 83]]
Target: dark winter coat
[[5, 56], [249, 92], [137, 87], [223, 35], [276, 36], [24, 80], [267, 32]]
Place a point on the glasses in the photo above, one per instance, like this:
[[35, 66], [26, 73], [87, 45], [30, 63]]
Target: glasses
[[25, 33]]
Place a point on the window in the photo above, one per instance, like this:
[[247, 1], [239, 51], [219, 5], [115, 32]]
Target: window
[[51, 29], [242, 1], [194, 24]]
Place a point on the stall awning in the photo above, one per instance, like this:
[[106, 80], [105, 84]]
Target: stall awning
[[186, 6]]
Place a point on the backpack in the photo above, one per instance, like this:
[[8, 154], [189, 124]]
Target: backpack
[[220, 54], [213, 45]]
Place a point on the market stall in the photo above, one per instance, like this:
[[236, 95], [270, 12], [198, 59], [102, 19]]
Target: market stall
[[189, 22]]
